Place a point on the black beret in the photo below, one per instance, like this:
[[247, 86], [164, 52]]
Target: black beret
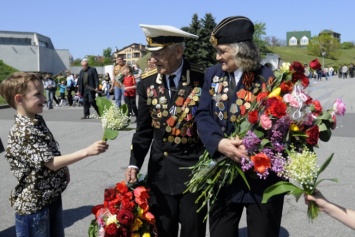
[[232, 29]]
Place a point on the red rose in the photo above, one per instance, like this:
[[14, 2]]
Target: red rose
[[297, 67], [122, 187], [315, 65], [253, 117], [141, 192], [127, 204], [305, 81], [312, 135], [125, 217], [316, 108], [109, 194], [111, 230], [286, 87]]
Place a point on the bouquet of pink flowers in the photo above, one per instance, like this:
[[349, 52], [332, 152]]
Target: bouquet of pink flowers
[[124, 213], [282, 119]]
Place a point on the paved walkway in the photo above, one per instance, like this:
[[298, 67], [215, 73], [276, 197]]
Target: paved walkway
[[91, 176]]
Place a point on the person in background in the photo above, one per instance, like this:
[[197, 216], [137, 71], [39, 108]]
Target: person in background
[[62, 89], [88, 86], [238, 69], [117, 80], [35, 160], [342, 214], [76, 77], [50, 87], [137, 72], [70, 87], [106, 85], [168, 98], [130, 85], [2, 149]]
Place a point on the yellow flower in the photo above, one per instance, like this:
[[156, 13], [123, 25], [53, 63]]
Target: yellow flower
[[137, 224], [294, 127], [275, 92], [146, 234], [140, 212], [111, 219]]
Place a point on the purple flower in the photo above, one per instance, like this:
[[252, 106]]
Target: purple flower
[[282, 125], [339, 107], [277, 163], [251, 142], [247, 164]]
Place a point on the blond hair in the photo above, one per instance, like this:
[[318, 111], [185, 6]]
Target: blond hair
[[16, 83]]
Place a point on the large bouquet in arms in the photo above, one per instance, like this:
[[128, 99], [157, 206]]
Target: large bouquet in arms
[[282, 123], [124, 213], [113, 119]]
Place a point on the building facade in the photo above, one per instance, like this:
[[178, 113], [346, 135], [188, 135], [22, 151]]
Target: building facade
[[32, 52], [131, 53], [298, 38]]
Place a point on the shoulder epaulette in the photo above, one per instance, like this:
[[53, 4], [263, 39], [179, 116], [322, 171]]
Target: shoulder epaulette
[[197, 68], [149, 73]]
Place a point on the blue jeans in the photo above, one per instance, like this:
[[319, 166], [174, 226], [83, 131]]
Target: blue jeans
[[44, 223], [50, 95], [118, 95]]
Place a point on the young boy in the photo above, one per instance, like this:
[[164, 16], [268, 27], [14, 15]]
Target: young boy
[[35, 160]]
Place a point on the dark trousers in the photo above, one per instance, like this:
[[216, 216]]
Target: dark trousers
[[263, 220], [70, 96], [89, 99], [131, 104], [169, 211]]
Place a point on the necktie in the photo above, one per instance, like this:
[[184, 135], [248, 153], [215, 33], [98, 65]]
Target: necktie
[[172, 86], [232, 86]]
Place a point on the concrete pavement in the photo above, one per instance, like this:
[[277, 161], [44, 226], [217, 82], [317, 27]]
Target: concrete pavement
[[91, 176]]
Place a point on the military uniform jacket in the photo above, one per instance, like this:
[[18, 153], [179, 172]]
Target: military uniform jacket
[[214, 119], [166, 126]]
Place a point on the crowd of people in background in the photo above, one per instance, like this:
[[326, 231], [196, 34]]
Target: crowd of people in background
[[64, 91]]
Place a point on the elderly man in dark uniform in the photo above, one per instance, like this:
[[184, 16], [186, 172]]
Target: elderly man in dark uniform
[[168, 99], [238, 69], [88, 86]]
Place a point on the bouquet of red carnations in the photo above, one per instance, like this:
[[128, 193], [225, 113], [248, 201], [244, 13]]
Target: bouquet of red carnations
[[124, 213]]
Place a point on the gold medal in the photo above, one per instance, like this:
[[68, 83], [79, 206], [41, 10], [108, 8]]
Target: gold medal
[[168, 129], [149, 101], [195, 98], [183, 140], [224, 97], [170, 139], [159, 115], [154, 101], [186, 110], [239, 102], [177, 140], [247, 105], [165, 113], [197, 90], [233, 118], [178, 110]]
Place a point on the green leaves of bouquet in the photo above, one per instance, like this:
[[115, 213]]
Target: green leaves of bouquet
[[113, 119]]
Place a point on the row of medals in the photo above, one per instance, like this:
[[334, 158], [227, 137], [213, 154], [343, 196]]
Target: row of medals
[[179, 125], [219, 90]]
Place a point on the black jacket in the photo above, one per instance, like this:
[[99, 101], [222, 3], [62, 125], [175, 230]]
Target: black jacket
[[171, 147], [93, 80]]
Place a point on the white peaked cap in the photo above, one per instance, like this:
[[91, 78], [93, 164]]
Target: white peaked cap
[[160, 36]]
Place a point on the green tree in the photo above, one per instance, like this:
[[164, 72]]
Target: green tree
[[200, 51], [259, 35], [326, 44], [347, 45], [107, 52]]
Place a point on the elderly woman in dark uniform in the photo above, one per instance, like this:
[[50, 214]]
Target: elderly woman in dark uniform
[[238, 68]]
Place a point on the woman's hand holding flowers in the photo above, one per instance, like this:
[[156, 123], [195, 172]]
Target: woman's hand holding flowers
[[232, 148]]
